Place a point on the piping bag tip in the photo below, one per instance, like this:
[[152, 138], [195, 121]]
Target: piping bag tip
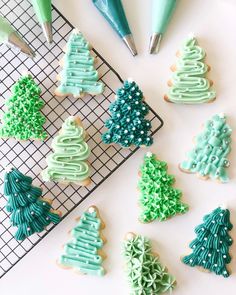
[[16, 41], [129, 41], [155, 42], [47, 31]]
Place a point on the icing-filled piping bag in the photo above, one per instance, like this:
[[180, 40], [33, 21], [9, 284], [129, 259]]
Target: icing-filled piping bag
[[114, 13], [43, 10], [9, 36], [162, 11]]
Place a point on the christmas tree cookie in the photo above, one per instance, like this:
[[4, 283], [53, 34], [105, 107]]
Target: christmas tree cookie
[[23, 119], [158, 200], [68, 163], [210, 249], [30, 213], [209, 157], [83, 253], [146, 275], [189, 84], [127, 124], [78, 75]]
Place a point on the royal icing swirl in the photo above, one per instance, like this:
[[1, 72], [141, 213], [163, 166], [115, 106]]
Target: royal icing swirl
[[209, 157], [127, 124], [79, 75], [30, 213], [211, 246], [145, 273], [189, 82], [158, 200], [68, 162], [23, 119], [82, 252]]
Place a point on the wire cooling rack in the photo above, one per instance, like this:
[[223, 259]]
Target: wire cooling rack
[[29, 156]]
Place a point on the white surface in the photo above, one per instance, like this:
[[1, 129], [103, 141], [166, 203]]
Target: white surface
[[213, 22]]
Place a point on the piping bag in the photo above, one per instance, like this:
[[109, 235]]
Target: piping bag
[[114, 13], [43, 10], [162, 11], [9, 36]]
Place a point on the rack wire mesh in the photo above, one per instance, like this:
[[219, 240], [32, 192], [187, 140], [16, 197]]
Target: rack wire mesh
[[29, 156]]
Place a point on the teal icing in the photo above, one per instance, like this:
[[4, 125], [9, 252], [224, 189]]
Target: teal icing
[[190, 85], [209, 157], [127, 124], [82, 252], [79, 75], [210, 249], [145, 273], [68, 163], [30, 213]]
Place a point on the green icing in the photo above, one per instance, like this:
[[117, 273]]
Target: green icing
[[43, 10], [211, 246], [5, 29], [82, 252], [209, 157], [68, 162], [23, 119], [30, 213], [145, 273], [159, 200], [78, 75], [190, 85], [127, 124]]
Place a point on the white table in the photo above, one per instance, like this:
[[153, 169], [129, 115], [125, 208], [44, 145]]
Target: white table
[[214, 22]]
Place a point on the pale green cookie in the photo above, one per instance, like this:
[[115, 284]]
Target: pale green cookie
[[82, 253], [189, 84], [146, 275], [78, 75], [68, 163], [209, 157]]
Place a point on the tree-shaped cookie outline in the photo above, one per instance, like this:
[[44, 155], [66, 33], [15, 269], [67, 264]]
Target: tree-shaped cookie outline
[[210, 249], [158, 200], [68, 163], [83, 253], [128, 125], [189, 83], [78, 76], [208, 159], [23, 119], [30, 212], [146, 274]]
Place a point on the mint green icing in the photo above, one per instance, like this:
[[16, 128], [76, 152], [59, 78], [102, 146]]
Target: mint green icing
[[145, 273], [30, 213], [159, 200], [78, 75], [128, 124], [211, 246], [209, 157], [23, 119], [190, 85], [5, 29], [68, 162], [81, 253]]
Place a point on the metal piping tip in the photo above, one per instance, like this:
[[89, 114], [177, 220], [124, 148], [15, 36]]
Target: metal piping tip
[[15, 40], [47, 31], [129, 41], [155, 42]]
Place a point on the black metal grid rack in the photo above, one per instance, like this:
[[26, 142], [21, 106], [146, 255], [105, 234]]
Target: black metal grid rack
[[29, 156]]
